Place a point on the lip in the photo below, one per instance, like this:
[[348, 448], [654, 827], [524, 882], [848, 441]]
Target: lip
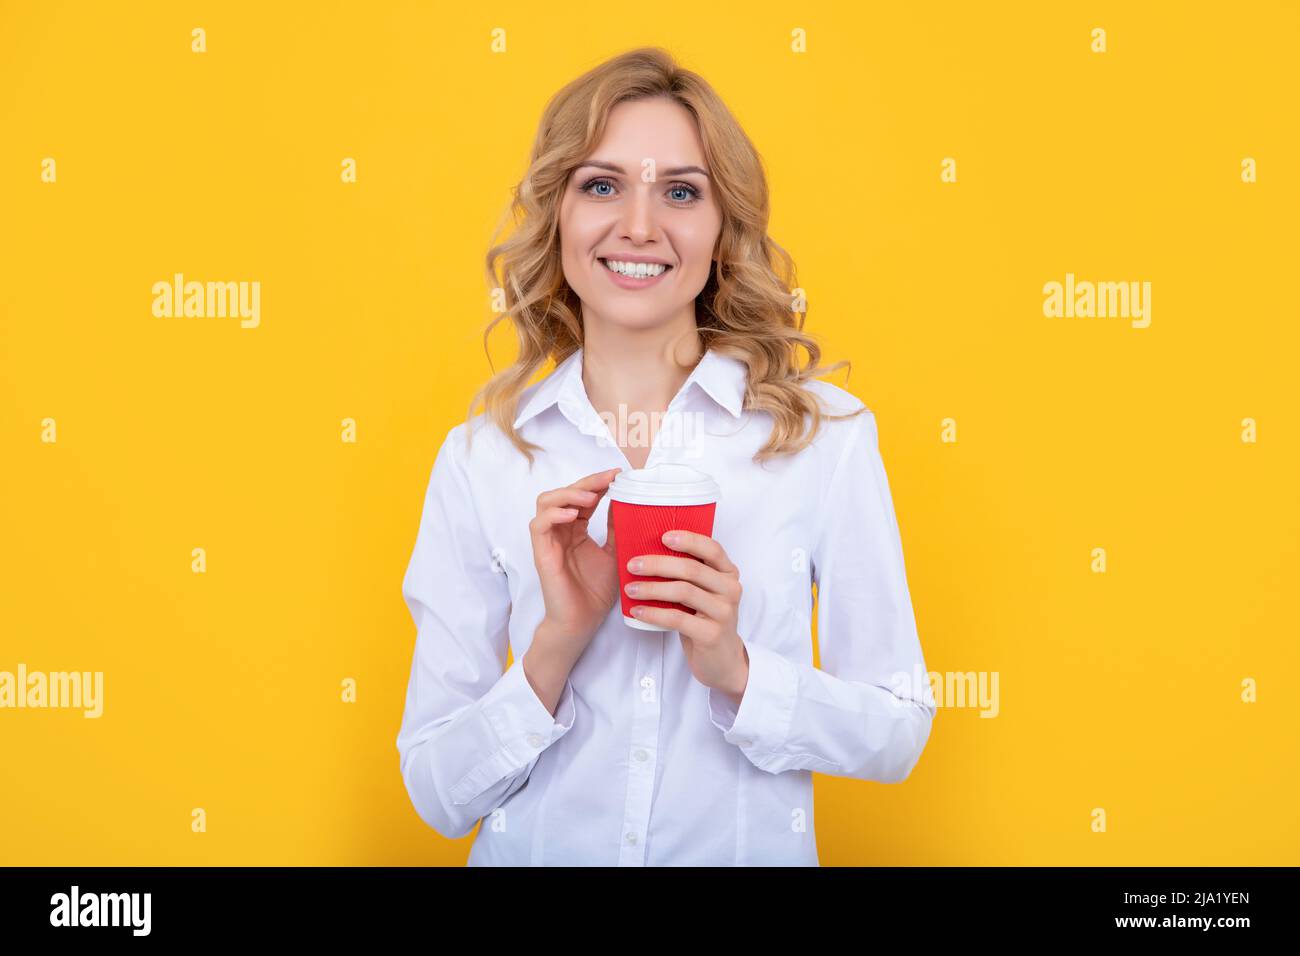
[[627, 282], [629, 257]]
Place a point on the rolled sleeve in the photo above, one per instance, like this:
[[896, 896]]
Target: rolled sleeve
[[523, 728], [867, 711], [473, 729], [762, 722]]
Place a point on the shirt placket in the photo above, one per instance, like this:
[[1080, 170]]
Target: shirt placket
[[643, 749], [643, 754]]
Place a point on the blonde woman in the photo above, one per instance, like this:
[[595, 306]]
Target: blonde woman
[[640, 264]]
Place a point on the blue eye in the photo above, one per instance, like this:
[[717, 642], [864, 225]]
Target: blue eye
[[692, 194], [587, 187]]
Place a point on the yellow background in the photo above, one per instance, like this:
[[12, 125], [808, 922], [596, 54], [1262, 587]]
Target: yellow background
[[222, 690]]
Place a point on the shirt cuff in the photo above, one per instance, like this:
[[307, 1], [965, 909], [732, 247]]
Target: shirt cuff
[[762, 722], [521, 720], [523, 727]]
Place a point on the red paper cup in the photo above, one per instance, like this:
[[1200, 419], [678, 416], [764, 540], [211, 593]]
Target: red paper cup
[[645, 503]]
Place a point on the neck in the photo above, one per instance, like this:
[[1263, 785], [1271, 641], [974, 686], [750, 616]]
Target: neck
[[638, 368]]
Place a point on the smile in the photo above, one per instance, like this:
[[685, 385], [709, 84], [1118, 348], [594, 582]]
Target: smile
[[634, 275]]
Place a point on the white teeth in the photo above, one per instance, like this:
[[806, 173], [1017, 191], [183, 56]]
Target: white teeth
[[637, 270]]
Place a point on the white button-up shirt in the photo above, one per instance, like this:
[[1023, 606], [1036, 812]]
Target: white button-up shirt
[[641, 764]]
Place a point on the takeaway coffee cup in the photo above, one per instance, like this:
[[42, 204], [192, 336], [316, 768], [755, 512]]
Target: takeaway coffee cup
[[646, 502]]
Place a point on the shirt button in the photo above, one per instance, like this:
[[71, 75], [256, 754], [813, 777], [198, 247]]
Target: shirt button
[[640, 754], [534, 739], [631, 838]]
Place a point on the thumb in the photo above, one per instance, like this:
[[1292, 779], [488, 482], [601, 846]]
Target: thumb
[[611, 546]]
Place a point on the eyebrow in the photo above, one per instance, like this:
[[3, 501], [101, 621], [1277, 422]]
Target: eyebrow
[[672, 171]]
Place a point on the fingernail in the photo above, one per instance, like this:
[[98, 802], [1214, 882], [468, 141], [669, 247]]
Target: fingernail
[[633, 588], [670, 537], [635, 565]]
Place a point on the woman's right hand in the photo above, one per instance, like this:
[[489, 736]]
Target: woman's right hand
[[579, 577]]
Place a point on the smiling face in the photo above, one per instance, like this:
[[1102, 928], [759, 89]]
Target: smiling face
[[664, 232]]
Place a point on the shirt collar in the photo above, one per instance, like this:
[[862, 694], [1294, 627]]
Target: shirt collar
[[722, 377]]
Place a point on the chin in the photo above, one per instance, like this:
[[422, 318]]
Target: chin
[[636, 319]]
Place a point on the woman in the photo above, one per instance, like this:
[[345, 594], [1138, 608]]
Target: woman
[[641, 265]]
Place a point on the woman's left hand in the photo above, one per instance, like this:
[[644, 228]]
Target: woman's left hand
[[711, 585]]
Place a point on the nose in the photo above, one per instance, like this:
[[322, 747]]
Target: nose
[[638, 222]]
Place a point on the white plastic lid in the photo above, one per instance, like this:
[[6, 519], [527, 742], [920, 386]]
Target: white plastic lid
[[666, 484]]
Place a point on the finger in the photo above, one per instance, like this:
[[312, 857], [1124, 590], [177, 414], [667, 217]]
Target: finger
[[585, 493], [703, 547], [599, 494], [687, 569], [681, 592], [568, 497], [693, 626], [549, 518], [611, 546], [598, 481]]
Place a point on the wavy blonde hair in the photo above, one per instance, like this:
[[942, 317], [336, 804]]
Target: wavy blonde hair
[[745, 308]]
